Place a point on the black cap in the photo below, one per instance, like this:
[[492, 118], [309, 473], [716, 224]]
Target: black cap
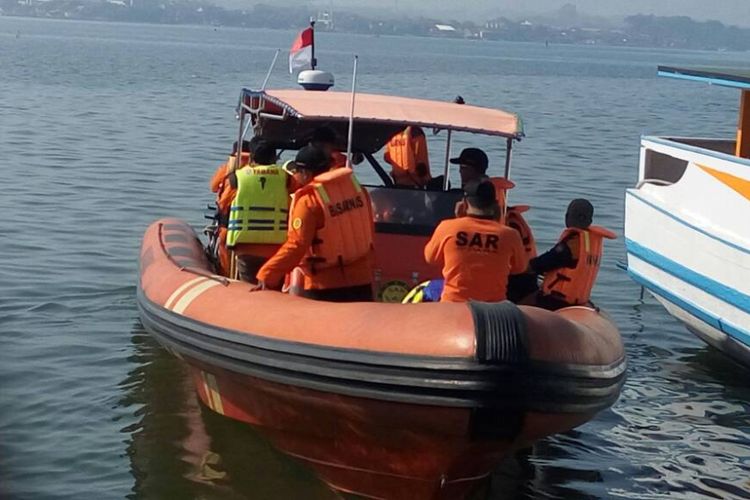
[[313, 159], [474, 157], [480, 194]]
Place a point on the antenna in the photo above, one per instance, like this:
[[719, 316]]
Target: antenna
[[351, 116]]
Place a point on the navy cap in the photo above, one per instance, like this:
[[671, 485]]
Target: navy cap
[[474, 157], [312, 158]]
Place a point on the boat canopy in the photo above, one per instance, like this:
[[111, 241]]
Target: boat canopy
[[738, 79], [287, 117], [734, 78]]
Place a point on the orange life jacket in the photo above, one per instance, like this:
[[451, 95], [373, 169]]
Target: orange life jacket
[[405, 152], [222, 174], [347, 232], [574, 285], [502, 185], [514, 218]]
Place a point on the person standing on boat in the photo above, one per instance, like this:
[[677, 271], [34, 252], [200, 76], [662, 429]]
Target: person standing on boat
[[473, 164], [224, 194], [330, 236], [407, 154], [477, 251], [258, 212], [571, 266], [219, 178]]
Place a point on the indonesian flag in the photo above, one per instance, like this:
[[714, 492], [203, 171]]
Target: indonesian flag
[[300, 55]]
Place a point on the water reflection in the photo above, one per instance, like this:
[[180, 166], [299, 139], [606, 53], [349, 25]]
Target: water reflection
[[179, 449]]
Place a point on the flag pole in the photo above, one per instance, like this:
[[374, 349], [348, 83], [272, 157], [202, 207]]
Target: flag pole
[[313, 62], [351, 116]]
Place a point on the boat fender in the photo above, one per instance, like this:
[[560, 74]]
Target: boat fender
[[501, 333]]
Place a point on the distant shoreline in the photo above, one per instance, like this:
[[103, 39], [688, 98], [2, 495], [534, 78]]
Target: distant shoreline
[[483, 35]]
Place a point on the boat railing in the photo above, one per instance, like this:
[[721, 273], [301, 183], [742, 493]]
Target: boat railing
[[726, 146], [664, 160]]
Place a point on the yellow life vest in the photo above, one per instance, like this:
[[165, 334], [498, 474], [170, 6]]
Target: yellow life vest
[[260, 209], [574, 285]]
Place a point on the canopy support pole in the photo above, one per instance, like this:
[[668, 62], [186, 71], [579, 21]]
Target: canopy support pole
[[240, 137], [270, 70], [446, 168], [508, 154], [743, 126], [350, 133]]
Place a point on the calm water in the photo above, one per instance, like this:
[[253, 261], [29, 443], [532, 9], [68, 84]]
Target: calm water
[[104, 128]]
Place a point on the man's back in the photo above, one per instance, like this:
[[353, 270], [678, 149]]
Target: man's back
[[477, 255]]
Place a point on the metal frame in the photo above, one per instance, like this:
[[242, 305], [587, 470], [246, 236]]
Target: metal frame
[[244, 109]]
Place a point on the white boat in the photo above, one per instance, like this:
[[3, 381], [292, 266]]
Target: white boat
[[687, 224]]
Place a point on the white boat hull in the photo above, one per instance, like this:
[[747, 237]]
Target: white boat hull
[[688, 242]]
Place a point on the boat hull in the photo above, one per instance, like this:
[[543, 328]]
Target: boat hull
[[688, 243], [382, 400]]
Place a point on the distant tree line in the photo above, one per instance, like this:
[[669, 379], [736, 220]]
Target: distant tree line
[[684, 32], [638, 30]]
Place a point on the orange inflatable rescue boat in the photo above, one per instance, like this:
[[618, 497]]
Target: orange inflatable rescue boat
[[385, 400]]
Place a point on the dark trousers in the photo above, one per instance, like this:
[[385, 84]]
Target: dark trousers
[[248, 266], [521, 286], [360, 293], [550, 302]]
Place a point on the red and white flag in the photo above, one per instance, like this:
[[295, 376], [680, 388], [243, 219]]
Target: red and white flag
[[301, 53]]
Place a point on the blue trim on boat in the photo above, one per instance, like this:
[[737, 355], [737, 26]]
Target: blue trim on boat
[[735, 84], [695, 149], [633, 193], [725, 293], [694, 310]]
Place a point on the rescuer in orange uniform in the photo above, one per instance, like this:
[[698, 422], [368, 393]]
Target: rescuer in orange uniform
[[257, 222], [330, 234], [220, 176], [407, 154], [219, 184], [477, 251], [571, 266]]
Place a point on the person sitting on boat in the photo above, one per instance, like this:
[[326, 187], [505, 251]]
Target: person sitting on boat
[[472, 166], [258, 212], [224, 194], [525, 284], [330, 236], [477, 251], [407, 154], [571, 266]]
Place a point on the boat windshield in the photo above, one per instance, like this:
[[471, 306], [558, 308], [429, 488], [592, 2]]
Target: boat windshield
[[409, 211]]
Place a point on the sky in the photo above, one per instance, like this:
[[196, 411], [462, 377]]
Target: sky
[[728, 11]]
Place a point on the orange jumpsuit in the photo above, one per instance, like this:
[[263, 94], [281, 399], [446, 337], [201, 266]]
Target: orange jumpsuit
[[305, 220], [477, 255]]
